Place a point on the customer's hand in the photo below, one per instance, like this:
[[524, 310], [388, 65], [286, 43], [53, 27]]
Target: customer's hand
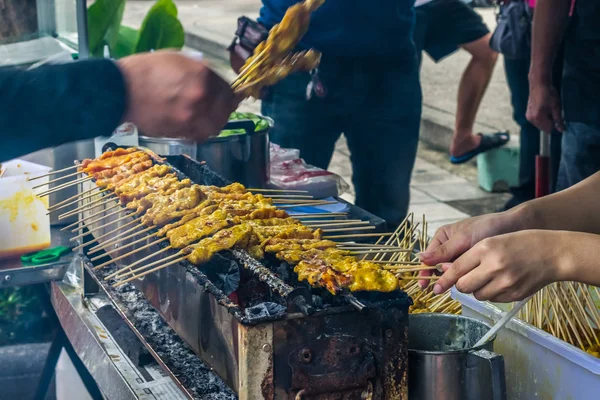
[[451, 241], [544, 108], [510, 267], [170, 94]]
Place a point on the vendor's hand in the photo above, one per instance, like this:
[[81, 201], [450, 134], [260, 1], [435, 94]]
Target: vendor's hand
[[544, 108], [451, 241], [509, 267], [170, 94]]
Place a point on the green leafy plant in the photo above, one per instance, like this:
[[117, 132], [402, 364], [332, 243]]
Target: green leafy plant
[[160, 29]]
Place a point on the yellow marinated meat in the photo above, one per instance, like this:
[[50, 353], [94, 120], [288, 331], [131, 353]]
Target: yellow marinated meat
[[286, 232], [131, 183], [173, 206], [275, 245], [225, 239], [262, 213], [297, 253], [231, 188], [322, 275], [112, 162], [162, 196], [207, 207], [163, 185], [273, 222], [199, 228], [369, 279], [117, 174]]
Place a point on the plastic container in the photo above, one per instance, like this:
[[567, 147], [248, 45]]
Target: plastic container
[[538, 365], [25, 225], [498, 170]]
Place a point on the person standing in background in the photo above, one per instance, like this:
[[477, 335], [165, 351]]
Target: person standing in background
[[517, 71], [442, 27], [367, 87], [579, 116]]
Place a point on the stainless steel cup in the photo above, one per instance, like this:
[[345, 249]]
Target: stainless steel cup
[[444, 365]]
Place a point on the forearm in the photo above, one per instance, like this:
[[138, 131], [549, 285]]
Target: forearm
[[573, 209], [579, 261], [56, 104], [549, 24]]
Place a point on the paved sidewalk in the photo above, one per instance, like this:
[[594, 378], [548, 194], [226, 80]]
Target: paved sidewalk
[[440, 191]]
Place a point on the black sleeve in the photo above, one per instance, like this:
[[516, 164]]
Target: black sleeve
[[55, 104]]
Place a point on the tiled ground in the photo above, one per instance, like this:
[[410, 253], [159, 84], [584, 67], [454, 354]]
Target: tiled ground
[[434, 191]]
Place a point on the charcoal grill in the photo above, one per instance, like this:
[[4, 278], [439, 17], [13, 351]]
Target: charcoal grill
[[270, 336]]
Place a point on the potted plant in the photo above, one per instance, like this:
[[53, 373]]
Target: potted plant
[[161, 29]]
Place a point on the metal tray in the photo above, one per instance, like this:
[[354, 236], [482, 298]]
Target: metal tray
[[14, 273]]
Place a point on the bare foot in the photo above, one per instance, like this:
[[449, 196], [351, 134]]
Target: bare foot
[[463, 146]]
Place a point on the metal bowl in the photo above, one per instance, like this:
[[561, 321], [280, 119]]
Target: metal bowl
[[238, 158]]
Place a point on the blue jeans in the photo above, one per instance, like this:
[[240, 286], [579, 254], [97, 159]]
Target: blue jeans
[[580, 154], [376, 103], [517, 78]]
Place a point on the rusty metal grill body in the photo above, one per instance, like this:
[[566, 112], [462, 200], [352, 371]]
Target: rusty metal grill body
[[334, 353]]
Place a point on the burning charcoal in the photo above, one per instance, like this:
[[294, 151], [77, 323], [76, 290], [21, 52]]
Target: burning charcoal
[[317, 301], [265, 310], [223, 272]]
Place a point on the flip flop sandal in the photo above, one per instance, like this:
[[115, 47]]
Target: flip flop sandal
[[488, 142]]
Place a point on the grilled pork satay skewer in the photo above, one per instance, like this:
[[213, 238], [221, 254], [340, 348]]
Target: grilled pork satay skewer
[[105, 155], [181, 199]]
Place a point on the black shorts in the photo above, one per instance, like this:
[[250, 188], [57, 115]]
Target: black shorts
[[442, 26]]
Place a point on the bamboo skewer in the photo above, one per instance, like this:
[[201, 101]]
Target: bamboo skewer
[[107, 233], [318, 215], [57, 179], [88, 217], [93, 204], [112, 251], [93, 221], [103, 226], [149, 272], [333, 221], [66, 185], [408, 263], [358, 235], [289, 196], [75, 199], [276, 190], [417, 278], [60, 205], [377, 251], [294, 201], [112, 260], [53, 172], [349, 229], [415, 269], [116, 240], [121, 272], [335, 224], [353, 245], [126, 216], [322, 203]]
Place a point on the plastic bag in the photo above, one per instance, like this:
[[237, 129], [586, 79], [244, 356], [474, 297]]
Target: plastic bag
[[288, 171], [279, 154]]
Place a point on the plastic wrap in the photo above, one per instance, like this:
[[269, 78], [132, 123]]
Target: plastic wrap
[[289, 171]]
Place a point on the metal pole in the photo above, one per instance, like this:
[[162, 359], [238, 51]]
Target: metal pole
[[542, 167], [82, 31]]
